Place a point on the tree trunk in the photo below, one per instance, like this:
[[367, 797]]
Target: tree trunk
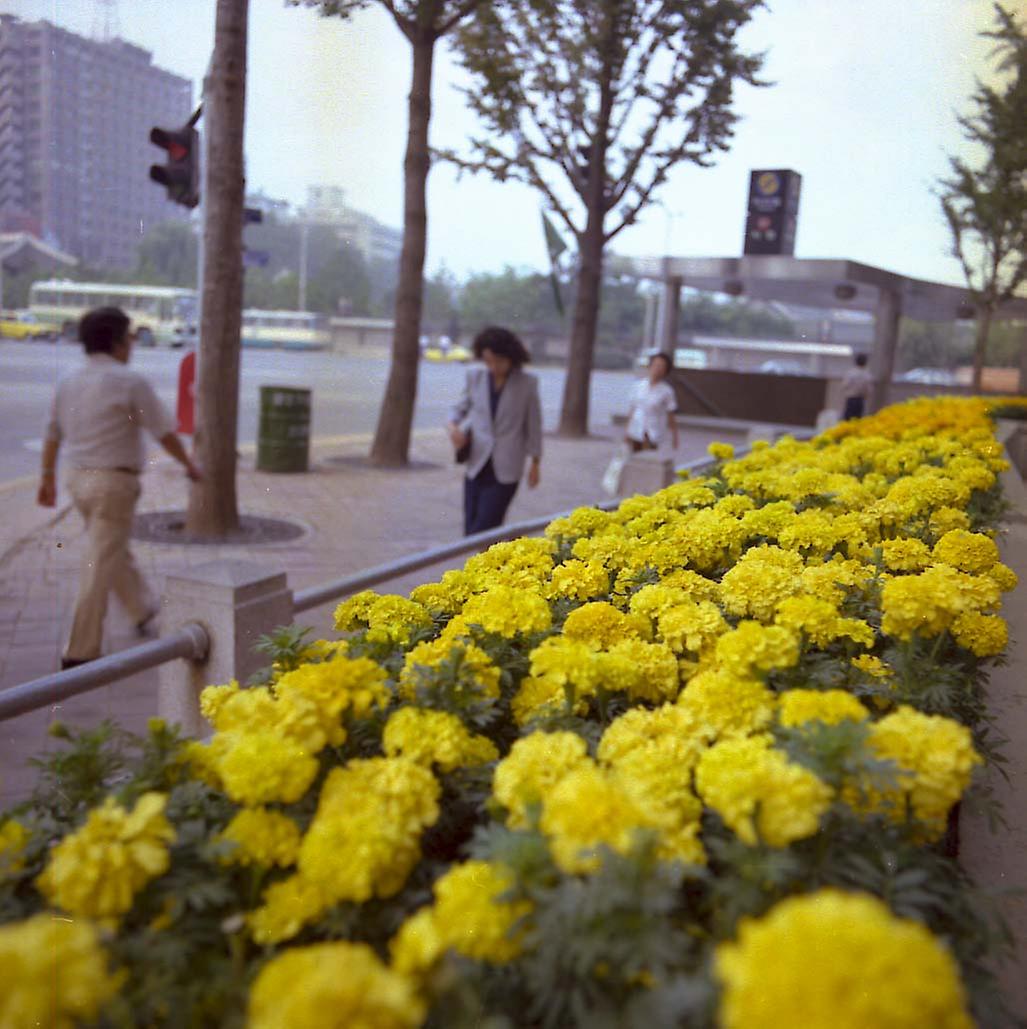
[[392, 437], [1022, 387], [213, 510], [984, 316], [574, 412]]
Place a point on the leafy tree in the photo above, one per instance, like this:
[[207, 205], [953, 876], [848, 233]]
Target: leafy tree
[[423, 23], [739, 318], [932, 345], [592, 104], [986, 205], [521, 300], [167, 255]]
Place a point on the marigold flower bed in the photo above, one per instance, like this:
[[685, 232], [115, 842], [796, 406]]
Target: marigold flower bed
[[692, 762]]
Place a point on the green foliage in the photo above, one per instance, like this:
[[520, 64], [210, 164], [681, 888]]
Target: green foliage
[[286, 647]]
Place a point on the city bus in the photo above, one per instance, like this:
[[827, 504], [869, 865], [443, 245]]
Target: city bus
[[161, 315], [291, 330]]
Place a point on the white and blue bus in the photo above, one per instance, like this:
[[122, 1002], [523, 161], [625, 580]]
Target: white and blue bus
[[290, 330]]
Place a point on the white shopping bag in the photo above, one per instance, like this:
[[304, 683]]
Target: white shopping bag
[[614, 470]]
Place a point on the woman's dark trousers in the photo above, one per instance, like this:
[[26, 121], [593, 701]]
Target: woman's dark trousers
[[486, 500]]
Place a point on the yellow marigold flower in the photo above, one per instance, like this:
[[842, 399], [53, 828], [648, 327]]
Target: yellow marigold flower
[[612, 550], [873, 666], [288, 906], [759, 793], [262, 837], [696, 586], [707, 540], [944, 519], [817, 532], [542, 696], [759, 581], [1003, 576], [331, 690], [471, 666], [835, 579], [726, 705], [936, 758], [96, 871], [983, 635], [388, 618], [535, 764], [332, 984], [262, 767], [214, 698], [365, 836], [905, 555], [834, 960], [735, 504], [508, 612], [651, 601], [669, 727], [796, 707], [55, 973], [447, 596], [645, 671], [752, 649], [523, 564], [600, 625], [691, 626], [820, 621], [928, 603], [721, 451], [685, 494], [968, 551], [582, 521], [435, 738], [585, 809], [769, 520], [579, 580], [13, 838], [468, 917]]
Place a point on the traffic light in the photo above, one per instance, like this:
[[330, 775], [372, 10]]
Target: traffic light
[[181, 175]]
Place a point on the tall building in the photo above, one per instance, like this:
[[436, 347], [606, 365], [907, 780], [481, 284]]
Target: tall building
[[326, 205], [75, 119]]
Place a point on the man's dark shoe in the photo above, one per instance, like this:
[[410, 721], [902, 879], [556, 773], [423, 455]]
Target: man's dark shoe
[[74, 662], [147, 628]]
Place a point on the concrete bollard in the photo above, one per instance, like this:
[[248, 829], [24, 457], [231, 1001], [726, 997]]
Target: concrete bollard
[[236, 602], [827, 419], [646, 472]]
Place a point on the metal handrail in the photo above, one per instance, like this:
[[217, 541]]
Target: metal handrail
[[191, 642]]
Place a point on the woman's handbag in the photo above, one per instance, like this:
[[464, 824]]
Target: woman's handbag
[[614, 470], [463, 454]]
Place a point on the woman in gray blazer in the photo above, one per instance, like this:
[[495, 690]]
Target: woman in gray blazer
[[500, 416]]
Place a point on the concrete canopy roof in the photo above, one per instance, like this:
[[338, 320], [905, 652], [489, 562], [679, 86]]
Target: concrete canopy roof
[[23, 246], [815, 282]]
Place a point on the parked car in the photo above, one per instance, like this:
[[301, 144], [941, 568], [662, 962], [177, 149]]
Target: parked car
[[23, 325], [782, 367]]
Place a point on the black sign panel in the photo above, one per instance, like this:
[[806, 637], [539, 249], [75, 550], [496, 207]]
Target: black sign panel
[[773, 212]]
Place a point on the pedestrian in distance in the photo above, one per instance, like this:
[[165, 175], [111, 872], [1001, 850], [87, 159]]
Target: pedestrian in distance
[[855, 389], [98, 416], [653, 404], [495, 427]]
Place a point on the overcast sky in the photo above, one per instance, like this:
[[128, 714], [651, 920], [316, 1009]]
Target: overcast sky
[[863, 107]]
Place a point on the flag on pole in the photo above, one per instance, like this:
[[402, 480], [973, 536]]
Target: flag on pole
[[556, 246]]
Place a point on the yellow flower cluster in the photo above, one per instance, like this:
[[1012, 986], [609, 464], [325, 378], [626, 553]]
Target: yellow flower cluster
[[262, 837], [362, 843], [508, 611], [936, 759], [470, 916], [332, 984], [759, 793], [435, 738], [13, 838], [386, 618], [535, 764], [267, 740], [474, 669], [96, 871], [797, 707], [54, 973], [834, 960]]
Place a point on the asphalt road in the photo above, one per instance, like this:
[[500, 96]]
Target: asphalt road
[[347, 392]]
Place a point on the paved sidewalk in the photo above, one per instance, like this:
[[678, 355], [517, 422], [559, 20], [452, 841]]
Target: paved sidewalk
[[356, 516]]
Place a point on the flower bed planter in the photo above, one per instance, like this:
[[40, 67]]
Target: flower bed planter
[[688, 763]]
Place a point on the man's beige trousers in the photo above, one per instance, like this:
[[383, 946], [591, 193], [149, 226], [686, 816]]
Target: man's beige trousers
[[106, 499]]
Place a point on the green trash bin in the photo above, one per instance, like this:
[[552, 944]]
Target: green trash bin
[[283, 437]]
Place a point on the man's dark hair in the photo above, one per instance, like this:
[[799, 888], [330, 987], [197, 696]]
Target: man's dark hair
[[102, 329], [502, 343], [861, 360]]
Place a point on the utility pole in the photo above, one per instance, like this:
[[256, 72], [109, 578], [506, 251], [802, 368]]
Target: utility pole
[[213, 506], [304, 230]]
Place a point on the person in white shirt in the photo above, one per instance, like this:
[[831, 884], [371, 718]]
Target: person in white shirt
[[98, 415], [653, 404], [855, 389]]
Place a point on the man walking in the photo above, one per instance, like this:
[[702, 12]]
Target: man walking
[[98, 415], [855, 389]]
